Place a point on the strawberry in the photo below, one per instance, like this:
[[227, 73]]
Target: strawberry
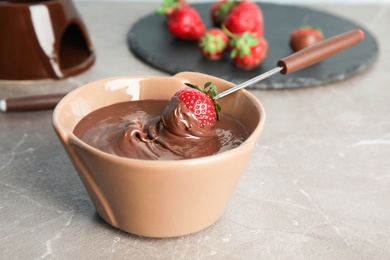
[[304, 37], [168, 6], [245, 16], [247, 49], [220, 10], [200, 102], [185, 23], [214, 44]]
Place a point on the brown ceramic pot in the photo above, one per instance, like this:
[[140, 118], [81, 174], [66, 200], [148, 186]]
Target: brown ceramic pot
[[156, 198], [42, 39]]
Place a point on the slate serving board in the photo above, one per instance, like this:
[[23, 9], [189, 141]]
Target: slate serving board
[[150, 40]]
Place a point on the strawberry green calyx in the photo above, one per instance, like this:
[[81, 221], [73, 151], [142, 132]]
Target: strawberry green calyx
[[212, 43], [222, 9], [248, 49], [168, 6], [243, 45], [210, 91]]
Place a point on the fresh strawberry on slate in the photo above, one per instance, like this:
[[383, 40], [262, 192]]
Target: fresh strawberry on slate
[[245, 16], [220, 9], [184, 21], [214, 44], [247, 50]]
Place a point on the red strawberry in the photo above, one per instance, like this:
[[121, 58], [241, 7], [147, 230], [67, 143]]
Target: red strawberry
[[244, 17], [201, 103], [220, 10], [304, 37], [214, 44], [247, 50], [185, 23], [168, 6]]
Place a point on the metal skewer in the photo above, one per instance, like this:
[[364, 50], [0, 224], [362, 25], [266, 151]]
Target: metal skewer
[[249, 82], [305, 58]]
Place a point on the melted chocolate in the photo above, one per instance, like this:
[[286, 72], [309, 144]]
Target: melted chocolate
[[157, 130]]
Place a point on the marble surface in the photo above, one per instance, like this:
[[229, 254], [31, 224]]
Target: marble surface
[[317, 186]]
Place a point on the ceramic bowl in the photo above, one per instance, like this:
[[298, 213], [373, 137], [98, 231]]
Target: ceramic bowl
[[156, 198], [42, 39]]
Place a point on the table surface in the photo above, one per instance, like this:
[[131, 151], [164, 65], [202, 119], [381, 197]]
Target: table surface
[[317, 185]]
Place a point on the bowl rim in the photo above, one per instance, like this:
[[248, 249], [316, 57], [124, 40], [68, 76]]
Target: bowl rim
[[72, 138]]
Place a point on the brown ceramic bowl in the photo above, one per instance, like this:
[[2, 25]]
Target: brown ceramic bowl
[[156, 198]]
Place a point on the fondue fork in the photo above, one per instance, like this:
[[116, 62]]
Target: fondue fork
[[305, 58]]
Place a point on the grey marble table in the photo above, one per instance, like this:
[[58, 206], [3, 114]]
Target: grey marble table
[[317, 186]]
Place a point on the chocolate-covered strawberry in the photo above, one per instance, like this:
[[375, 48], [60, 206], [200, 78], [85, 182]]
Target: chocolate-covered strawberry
[[200, 102], [214, 43], [246, 16], [304, 37]]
